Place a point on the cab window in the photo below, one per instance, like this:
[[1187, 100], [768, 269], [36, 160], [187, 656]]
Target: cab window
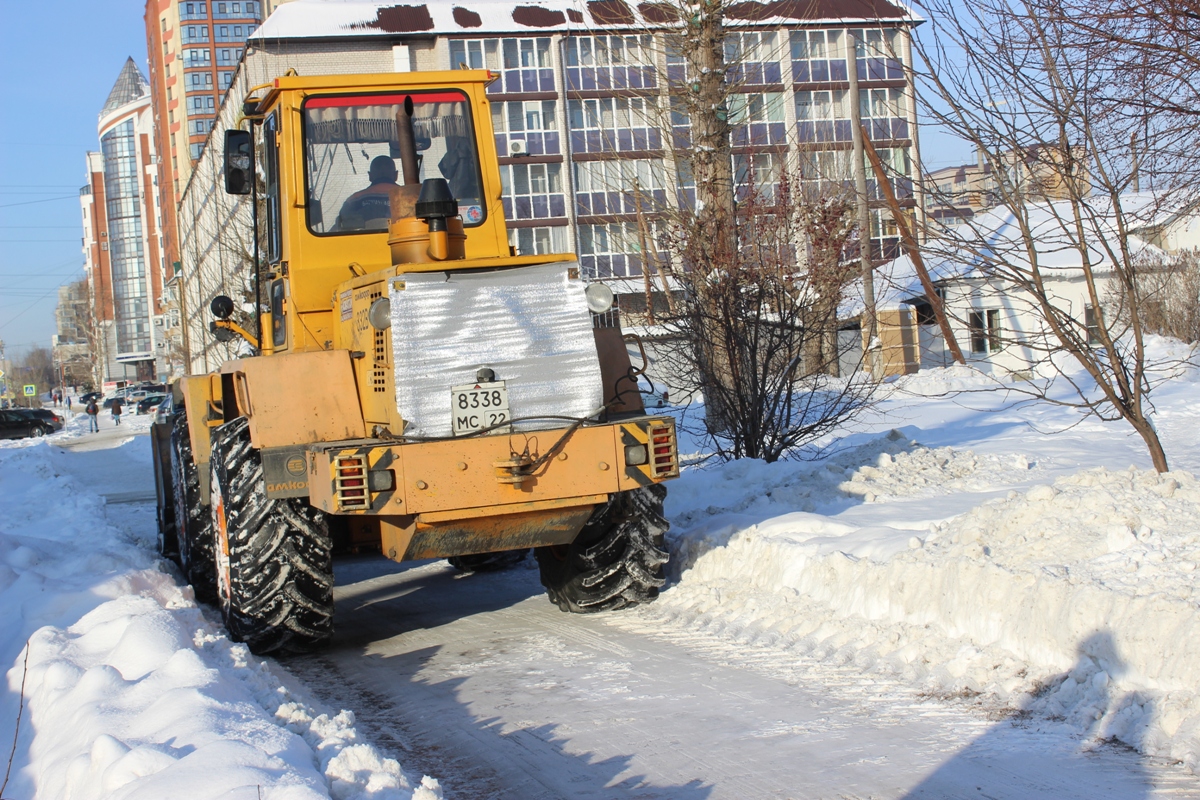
[[352, 157]]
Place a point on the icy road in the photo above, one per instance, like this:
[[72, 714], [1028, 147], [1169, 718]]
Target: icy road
[[481, 681]]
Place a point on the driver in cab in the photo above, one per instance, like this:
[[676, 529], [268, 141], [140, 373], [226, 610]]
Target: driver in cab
[[370, 209]]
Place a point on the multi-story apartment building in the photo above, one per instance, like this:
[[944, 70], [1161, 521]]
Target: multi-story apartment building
[[590, 144], [194, 47], [121, 243]]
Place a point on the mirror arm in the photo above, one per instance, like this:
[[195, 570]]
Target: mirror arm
[[230, 325]]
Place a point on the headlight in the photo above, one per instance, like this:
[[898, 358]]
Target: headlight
[[380, 314], [636, 454], [599, 297]]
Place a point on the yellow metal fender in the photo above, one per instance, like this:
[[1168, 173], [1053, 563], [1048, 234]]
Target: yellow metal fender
[[296, 398]]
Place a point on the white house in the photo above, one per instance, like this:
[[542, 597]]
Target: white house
[[985, 273]]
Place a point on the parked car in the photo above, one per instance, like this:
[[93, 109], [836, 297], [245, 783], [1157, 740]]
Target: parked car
[[46, 415], [163, 414], [16, 424], [149, 404], [84, 399]]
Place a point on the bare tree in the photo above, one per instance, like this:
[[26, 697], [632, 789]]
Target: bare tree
[[769, 310], [1016, 80], [761, 258]]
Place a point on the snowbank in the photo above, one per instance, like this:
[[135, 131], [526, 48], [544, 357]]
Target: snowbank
[[996, 578], [129, 690]]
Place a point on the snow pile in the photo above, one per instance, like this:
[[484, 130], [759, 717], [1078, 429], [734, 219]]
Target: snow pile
[[128, 690], [1074, 600]]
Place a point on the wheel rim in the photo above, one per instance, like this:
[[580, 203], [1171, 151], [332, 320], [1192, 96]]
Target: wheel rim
[[221, 548]]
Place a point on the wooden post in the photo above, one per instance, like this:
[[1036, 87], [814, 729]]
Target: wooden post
[[914, 252]]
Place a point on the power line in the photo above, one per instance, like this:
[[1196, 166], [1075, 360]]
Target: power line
[[47, 200]]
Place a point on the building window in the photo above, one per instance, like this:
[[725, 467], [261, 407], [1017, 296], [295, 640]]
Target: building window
[[526, 65], [202, 104], [610, 62], [195, 33], [239, 10], [191, 11], [538, 241], [199, 127], [533, 121], [877, 55], [228, 57], [885, 235], [612, 250], [533, 191], [612, 124], [898, 165], [757, 119], [197, 57], [224, 80], [196, 149], [754, 58], [607, 187], [1092, 321], [199, 81], [757, 177], [983, 327], [234, 33], [817, 57], [823, 116], [475, 54], [884, 113]]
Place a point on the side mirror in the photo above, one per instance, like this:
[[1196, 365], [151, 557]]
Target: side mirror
[[221, 307], [239, 161]]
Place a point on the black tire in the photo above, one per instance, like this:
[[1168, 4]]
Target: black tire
[[274, 556], [488, 562], [193, 520], [39, 431], [616, 561]]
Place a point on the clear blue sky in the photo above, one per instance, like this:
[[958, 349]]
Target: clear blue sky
[[58, 61]]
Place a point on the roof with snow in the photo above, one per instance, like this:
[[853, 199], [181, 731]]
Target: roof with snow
[[334, 18], [992, 244], [130, 86]]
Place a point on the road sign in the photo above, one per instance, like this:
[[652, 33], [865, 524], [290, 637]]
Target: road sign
[[1, 373], [30, 390]]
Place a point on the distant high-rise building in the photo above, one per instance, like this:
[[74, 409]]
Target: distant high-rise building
[[72, 317], [193, 49], [121, 246]]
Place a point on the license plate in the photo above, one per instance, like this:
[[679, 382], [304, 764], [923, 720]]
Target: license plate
[[479, 405]]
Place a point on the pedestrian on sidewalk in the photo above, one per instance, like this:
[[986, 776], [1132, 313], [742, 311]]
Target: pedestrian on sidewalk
[[116, 411], [93, 411], [68, 403]]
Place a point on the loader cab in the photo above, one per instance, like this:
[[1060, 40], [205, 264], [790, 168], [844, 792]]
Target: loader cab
[[329, 158]]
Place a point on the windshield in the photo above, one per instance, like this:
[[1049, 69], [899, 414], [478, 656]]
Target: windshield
[[352, 155]]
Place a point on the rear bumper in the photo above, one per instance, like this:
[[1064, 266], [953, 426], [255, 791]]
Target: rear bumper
[[478, 477]]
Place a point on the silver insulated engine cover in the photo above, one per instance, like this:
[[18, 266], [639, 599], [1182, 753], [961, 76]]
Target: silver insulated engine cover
[[530, 325]]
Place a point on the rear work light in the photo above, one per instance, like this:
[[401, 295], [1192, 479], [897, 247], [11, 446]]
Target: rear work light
[[664, 452], [350, 483]]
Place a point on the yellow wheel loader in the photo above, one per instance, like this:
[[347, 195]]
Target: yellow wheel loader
[[414, 387]]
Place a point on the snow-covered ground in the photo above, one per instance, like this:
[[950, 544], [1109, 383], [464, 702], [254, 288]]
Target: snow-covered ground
[[1010, 562], [125, 688], [985, 548]]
